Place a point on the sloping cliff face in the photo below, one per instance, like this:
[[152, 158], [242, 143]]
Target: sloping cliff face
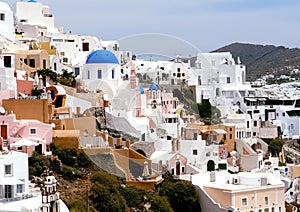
[[291, 150]]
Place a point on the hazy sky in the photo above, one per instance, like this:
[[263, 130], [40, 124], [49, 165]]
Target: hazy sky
[[206, 24]]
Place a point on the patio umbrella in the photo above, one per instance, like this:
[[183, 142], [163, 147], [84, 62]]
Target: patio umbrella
[[24, 142], [145, 170]]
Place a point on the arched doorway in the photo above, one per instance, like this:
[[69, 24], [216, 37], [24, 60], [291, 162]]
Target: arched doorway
[[210, 166], [141, 152]]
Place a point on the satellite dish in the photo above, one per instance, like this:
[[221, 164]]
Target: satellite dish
[[2, 110]]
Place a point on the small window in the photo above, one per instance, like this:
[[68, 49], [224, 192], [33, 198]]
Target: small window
[[256, 111], [255, 123], [178, 69], [32, 63], [65, 59], [244, 202], [195, 152], [85, 47], [77, 71], [266, 200], [8, 170], [207, 154], [7, 61], [230, 129], [214, 137], [283, 114], [113, 73], [2, 17], [266, 210], [254, 133], [248, 124], [32, 131], [99, 74], [88, 74], [182, 169], [230, 136], [174, 74], [228, 79], [183, 74], [19, 188], [55, 66], [44, 64]]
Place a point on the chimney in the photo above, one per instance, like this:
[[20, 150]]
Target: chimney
[[212, 176]]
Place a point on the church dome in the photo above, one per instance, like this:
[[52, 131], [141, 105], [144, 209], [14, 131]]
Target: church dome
[[154, 87], [4, 6], [102, 56]]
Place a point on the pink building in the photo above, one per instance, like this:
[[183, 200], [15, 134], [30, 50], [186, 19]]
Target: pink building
[[14, 132], [167, 102], [24, 82]]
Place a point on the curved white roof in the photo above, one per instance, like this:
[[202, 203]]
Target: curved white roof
[[4, 6]]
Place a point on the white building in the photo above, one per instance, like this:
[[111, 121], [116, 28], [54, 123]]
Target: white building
[[6, 22], [34, 13], [13, 174], [217, 77], [242, 123]]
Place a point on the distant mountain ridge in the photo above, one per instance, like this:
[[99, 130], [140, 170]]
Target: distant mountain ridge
[[263, 59]]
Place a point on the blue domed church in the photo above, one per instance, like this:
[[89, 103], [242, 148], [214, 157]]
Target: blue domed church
[[102, 71]]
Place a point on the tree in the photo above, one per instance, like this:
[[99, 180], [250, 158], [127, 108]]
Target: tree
[[208, 112], [160, 204], [134, 197], [106, 198], [37, 164], [275, 146], [182, 196]]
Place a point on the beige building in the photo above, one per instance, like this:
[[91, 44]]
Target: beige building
[[32, 60], [38, 109], [245, 191]]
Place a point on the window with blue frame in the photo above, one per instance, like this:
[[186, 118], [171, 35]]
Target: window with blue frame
[[113, 73], [99, 74]]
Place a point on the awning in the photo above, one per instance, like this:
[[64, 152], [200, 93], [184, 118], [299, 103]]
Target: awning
[[251, 100], [24, 142], [218, 131], [10, 181]]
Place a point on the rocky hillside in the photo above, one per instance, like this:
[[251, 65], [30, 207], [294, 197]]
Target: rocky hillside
[[263, 59]]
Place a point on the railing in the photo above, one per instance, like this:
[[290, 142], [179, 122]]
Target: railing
[[18, 198]]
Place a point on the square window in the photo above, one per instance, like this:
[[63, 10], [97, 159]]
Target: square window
[[244, 202], [255, 123], [195, 152], [8, 170], [19, 188], [32, 131]]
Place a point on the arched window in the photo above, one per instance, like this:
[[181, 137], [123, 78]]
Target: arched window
[[113, 73]]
